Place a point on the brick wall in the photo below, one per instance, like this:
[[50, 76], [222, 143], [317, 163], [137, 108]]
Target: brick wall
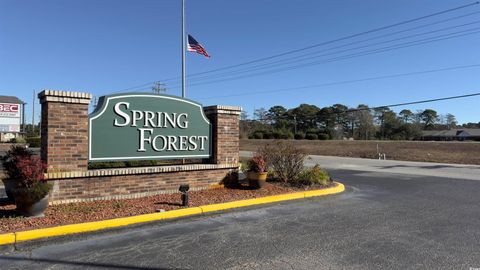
[[134, 185], [226, 133], [64, 130], [64, 147]]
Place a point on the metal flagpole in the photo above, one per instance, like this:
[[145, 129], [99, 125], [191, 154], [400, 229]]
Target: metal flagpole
[[183, 54], [183, 48]]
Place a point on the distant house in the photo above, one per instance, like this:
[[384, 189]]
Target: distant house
[[464, 134]]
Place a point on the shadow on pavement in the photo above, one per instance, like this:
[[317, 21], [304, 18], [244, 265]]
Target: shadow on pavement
[[83, 264]]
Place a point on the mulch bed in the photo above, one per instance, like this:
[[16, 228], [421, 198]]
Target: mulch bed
[[100, 210]]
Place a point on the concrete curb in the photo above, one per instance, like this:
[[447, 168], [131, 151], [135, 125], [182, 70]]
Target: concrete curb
[[15, 237]]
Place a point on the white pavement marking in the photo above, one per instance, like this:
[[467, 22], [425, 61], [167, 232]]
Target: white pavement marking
[[457, 171]]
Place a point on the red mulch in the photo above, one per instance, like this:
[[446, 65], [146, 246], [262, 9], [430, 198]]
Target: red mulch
[[100, 210]]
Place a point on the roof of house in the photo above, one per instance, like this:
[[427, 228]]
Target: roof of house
[[460, 132], [470, 132], [10, 99]]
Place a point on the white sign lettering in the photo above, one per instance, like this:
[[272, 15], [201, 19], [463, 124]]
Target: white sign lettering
[[148, 123]]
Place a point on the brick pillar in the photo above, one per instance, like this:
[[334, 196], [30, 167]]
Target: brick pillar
[[64, 130], [225, 133]]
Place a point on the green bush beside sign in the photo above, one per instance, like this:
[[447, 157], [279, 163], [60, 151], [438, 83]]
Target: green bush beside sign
[[148, 126]]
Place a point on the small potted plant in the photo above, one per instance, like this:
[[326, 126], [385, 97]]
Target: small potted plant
[[27, 184], [257, 171], [12, 174]]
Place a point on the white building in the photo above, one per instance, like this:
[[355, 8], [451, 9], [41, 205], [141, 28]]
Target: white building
[[12, 116]]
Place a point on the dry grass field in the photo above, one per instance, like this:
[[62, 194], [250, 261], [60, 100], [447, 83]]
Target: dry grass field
[[444, 152]]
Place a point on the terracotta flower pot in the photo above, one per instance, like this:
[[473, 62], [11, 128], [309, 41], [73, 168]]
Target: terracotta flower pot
[[257, 179]]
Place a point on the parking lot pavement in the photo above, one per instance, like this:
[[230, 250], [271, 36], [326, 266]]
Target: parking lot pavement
[[457, 171], [382, 221]]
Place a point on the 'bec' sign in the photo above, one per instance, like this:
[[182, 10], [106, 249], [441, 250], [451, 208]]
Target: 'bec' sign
[[140, 126]]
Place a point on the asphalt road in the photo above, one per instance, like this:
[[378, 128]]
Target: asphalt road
[[382, 221], [455, 171]]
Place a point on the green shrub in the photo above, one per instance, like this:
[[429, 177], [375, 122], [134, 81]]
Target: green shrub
[[285, 159], [12, 157], [141, 163], [106, 165], [287, 135], [314, 176], [258, 135], [18, 140], [33, 141], [269, 135], [323, 136], [299, 136], [271, 175], [33, 193], [28, 172], [243, 166], [311, 136]]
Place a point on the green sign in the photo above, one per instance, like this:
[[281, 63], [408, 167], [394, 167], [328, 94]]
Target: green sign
[[138, 126]]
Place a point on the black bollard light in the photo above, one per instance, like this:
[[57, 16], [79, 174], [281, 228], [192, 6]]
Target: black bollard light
[[184, 190]]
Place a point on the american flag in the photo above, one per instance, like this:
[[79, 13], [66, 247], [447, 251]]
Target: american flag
[[194, 46]]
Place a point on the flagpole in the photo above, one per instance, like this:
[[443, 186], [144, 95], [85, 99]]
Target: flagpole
[[183, 48]]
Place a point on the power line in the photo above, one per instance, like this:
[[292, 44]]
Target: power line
[[385, 35], [269, 65], [158, 88], [408, 103], [334, 40], [349, 56], [404, 104], [347, 81], [428, 100], [315, 45]]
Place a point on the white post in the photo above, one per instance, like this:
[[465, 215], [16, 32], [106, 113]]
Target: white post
[[183, 48]]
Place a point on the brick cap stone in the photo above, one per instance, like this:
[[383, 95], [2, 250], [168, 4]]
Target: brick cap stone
[[138, 170], [64, 97], [222, 109]]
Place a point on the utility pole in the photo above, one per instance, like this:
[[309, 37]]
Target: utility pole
[[95, 102], [33, 113], [158, 88]]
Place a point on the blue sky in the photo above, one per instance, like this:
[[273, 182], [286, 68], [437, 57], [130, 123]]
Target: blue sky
[[106, 46]]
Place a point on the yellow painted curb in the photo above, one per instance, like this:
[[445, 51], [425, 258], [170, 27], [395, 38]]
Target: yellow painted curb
[[11, 238], [249, 202], [104, 224], [7, 238], [321, 192]]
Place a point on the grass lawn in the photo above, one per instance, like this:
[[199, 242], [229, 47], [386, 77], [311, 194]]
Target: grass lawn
[[443, 152]]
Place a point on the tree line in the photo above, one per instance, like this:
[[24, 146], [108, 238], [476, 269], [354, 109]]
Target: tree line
[[339, 121]]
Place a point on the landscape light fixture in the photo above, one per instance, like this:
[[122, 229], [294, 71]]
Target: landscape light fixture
[[184, 190]]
